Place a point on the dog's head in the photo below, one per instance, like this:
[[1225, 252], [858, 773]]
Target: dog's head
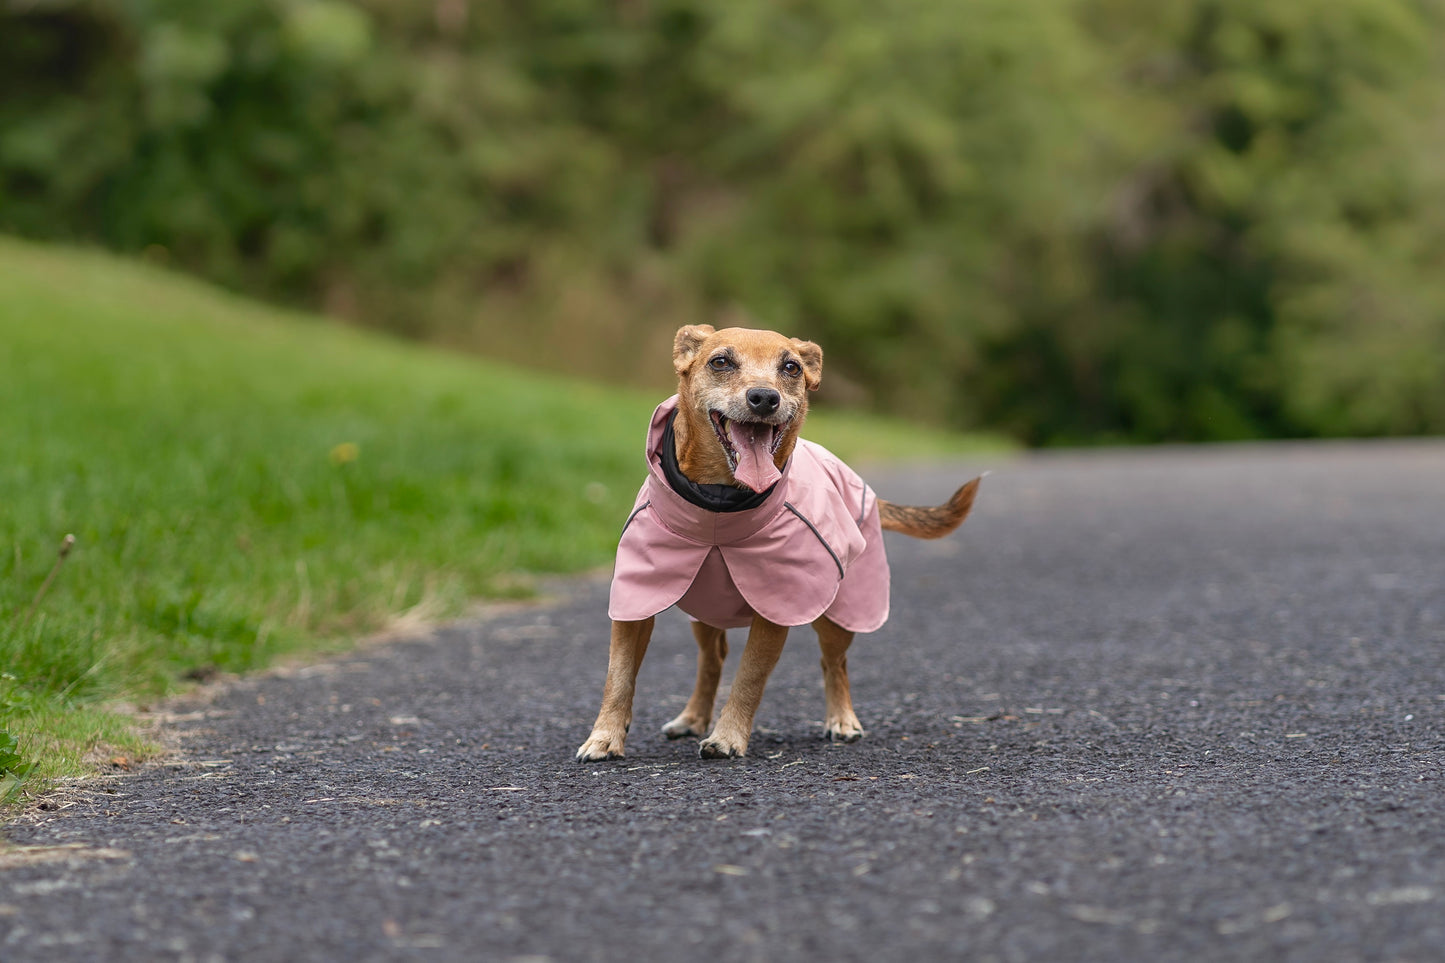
[[742, 397]]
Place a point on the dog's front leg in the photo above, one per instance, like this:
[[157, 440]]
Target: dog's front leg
[[840, 724], [712, 649], [624, 658], [735, 723]]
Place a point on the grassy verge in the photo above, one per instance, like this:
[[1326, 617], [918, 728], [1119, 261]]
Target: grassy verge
[[242, 482]]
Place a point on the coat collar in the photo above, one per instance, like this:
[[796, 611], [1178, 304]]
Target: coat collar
[[690, 520]]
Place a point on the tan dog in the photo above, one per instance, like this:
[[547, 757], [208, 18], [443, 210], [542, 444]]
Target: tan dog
[[742, 398]]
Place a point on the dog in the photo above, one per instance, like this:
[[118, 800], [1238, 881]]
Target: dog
[[743, 524]]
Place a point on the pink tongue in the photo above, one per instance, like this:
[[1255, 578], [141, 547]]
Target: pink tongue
[[755, 462]]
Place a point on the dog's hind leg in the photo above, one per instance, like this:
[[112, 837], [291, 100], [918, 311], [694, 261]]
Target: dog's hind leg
[[735, 723], [840, 724], [712, 649], [624, 658]]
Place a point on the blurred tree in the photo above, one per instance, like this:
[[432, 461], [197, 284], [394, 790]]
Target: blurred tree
[[905, 189], [1271, 245], [1074, 220]]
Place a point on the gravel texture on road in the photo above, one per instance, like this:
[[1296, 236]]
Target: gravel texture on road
[[1145, 705]]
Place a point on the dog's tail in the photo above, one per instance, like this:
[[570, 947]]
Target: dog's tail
[[929, 522]]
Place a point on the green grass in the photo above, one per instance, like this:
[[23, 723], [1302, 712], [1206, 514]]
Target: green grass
[[244, 482]]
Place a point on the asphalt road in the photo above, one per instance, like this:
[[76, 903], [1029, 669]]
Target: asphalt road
[[1155, 705]]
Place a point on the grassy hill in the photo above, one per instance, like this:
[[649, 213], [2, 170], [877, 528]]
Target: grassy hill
[[244, 482]]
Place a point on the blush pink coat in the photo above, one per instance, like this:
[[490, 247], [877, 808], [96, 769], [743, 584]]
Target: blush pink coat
[[813, 547]]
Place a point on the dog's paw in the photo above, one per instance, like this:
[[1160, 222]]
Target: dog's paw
[[846, 729], [685, 725], [719, 746], [601, 746]]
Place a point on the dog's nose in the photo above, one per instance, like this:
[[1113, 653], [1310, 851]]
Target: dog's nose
[[763, 401]]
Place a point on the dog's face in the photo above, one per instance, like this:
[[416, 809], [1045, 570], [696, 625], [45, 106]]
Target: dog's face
[[743, 394]]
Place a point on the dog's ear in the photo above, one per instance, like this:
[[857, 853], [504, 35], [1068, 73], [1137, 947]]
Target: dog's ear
[[689, 339], [812, 357]]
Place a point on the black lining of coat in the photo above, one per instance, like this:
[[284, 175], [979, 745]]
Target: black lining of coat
[[713, 498]]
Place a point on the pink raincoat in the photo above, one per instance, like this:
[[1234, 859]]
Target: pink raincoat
[[813, 547]]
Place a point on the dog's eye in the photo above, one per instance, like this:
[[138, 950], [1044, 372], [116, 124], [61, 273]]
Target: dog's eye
[[721, 363], [791, 368]]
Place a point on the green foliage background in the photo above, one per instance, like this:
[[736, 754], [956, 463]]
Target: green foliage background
[[1074, 220]]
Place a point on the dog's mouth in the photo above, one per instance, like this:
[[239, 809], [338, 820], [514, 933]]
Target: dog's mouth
[[750, 447]]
